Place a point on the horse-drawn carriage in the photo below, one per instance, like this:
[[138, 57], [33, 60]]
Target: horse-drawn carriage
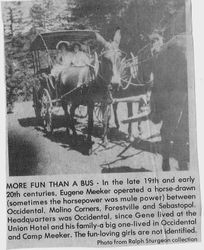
[[112, 73], [105, 86], [47, 95]]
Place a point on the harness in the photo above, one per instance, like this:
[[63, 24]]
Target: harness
[[172, 134]]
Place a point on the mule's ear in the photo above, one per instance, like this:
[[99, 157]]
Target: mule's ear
[[117, 37], [102, 41]]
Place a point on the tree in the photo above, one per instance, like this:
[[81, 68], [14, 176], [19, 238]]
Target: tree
[[65, 14], [136, 18], [95, 13], [37, 16], [12, 16]]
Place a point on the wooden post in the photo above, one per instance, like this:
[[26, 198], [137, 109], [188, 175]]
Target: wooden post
[[33, 58], [39, 60], [36, 61], [137, 117]]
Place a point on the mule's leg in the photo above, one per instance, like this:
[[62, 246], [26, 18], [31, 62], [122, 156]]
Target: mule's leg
[[67, 117], [139, 122], [90, 126], [90, 121], [115, 106], [182, 154], [130, 113], [166, 147], [106, 119], [72, 113], [139, 128], [181, 146]]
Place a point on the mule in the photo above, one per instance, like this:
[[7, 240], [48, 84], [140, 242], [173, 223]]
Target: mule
[[169, 99], [136, 85], [95, 90]]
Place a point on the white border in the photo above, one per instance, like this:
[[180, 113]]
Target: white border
[[198, 33]]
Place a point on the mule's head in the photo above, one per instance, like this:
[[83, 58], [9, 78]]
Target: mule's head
[[111, 59]]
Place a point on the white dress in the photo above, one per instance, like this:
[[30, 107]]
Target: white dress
[[80, 59], [63, 61]]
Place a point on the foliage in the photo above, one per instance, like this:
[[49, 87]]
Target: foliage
[[136, 18]]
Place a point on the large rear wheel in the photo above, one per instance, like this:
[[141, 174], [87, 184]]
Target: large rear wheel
[[36, 104], [47, 111]]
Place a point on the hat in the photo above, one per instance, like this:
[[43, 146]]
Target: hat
[[156, 34], [76, 43], [60, 43]]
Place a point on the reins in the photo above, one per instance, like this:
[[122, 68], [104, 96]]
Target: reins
[[130, 62], [154, 55]]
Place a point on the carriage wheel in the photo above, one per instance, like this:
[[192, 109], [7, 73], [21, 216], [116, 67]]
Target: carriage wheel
[[36, 104], [46, 111]]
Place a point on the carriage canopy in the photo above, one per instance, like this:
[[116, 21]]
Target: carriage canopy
[[49, 40], [43, 47]]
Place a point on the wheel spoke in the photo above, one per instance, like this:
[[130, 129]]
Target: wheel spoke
[[46, 113]]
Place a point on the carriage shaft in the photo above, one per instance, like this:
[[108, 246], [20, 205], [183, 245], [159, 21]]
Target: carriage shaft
[[130, 99], [137, 117]]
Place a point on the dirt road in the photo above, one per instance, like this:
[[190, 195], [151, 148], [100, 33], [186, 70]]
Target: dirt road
[[32, 152]]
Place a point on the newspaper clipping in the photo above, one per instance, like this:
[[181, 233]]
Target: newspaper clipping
[[101, 127]]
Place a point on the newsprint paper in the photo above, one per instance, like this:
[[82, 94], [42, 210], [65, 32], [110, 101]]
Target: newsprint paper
[[101, 123]]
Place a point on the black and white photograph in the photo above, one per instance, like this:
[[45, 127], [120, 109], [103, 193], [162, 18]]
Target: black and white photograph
[[99, 114], [98, 86]]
